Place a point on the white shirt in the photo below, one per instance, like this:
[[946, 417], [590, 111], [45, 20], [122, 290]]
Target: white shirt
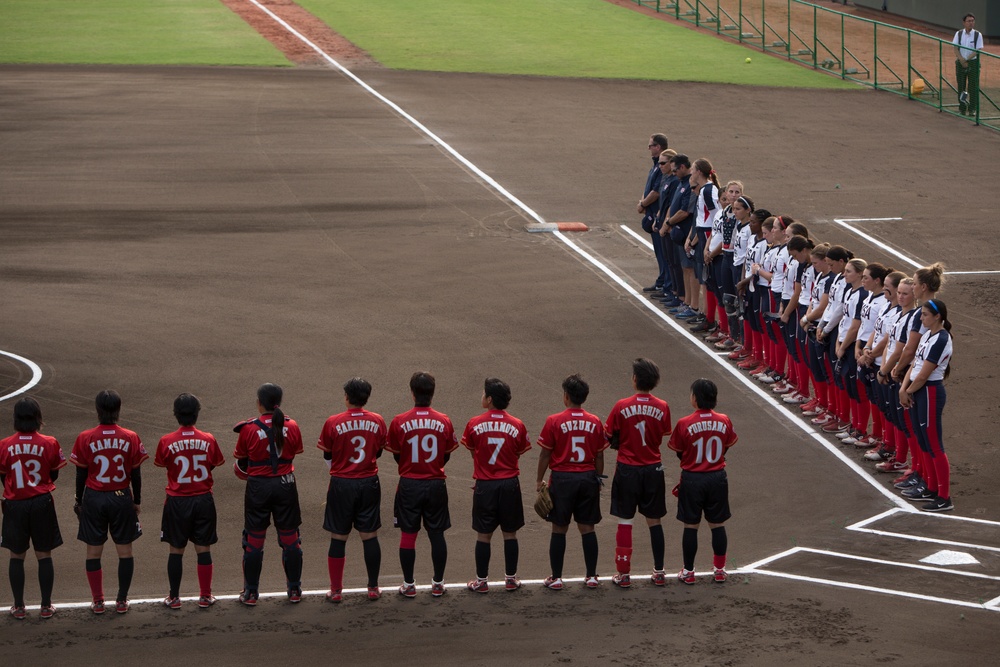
[[883, 327], [741, 241], [933, 348], [703, 216], [835, 306], [972, 40], [871, 309], [791, 270]]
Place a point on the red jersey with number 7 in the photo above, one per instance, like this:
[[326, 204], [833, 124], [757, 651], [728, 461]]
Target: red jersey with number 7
[[189, 456], [702, 438], [496, 440], [640, 422], [109, 453], [354, 438], [26, 460], [421, 437], [575, 437]]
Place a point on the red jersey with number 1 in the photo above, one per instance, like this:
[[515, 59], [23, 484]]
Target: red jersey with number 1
[[702, 438], [109, 453], [354, 438], [496, 440], [640, 422], [189, 456], [27, 460], [421, 437], [574, 436]]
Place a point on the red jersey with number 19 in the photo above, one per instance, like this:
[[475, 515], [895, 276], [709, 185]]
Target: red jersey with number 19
[[640, 422], [189, 456], [496, 440], [574, 436], [421, 437], [703, 438], [27, 460], [109, 453], [354, 438]]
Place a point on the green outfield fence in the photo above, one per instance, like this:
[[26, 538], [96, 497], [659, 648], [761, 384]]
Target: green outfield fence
[[883, 56]]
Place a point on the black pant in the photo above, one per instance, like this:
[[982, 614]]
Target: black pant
[[967, 79]]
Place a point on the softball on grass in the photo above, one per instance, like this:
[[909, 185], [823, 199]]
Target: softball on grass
[[748, 61]]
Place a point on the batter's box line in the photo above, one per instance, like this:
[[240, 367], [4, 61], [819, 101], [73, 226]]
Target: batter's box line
[[861, 527]]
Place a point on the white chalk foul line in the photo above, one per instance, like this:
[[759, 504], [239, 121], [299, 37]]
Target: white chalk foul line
[[634, 234], [36, 375]]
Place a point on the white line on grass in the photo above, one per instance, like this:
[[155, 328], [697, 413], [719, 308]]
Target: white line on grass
[[36, 375]]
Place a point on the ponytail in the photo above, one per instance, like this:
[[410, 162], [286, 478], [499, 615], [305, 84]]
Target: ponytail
[[278, 428]]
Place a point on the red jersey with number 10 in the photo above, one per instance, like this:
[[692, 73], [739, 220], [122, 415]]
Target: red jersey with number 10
[[640, 422], [109, 453], [354, 438], [189, 456], [496, 440], [574, 436], [702, 438], [421, 437], [27, 460]]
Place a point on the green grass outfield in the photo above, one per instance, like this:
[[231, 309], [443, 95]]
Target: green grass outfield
[[132, 32], [570, 38]]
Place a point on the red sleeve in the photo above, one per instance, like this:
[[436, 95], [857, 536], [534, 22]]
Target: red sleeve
[[394, 439], [611, 426], [467, 437], [453, 441], [57, 461], [546, 439], [241, 451], [325, 441], [160, 458], [675, 439], [79, 454], [139, 454], [216, 457]]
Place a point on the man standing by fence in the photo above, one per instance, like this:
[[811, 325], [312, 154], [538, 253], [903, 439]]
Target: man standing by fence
[[967, 43]]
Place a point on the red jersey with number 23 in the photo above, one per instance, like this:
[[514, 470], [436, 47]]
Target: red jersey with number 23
[[574, 436], [27, 460], [421, 437], [496, 440], [354, 438], [189, 456], [109, 453], [702, 438], [640, 422]]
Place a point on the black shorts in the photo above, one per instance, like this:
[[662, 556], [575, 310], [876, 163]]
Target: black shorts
[[641, 487], [267, 496], [189, 518], [421, 499], [30, 520], [353, 503], [497, 502], [706, 492], [576, 496], [102, 512]]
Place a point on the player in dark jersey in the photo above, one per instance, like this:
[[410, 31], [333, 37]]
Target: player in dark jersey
[[701, 441], [108, 496], [29, 466], [636, 427], [573, 443], [497, 440], [421, 441], [352, 442], [264, 455], [189, 455]]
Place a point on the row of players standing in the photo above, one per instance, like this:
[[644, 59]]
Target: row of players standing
[[572, 443], [873, 343]]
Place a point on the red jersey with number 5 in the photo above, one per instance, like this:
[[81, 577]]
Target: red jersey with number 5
[[189, 456], [640, 422], [574, 436], [354, 438], [109, 453], [496, 440], [702, 438], [27, 460], [421, 437]]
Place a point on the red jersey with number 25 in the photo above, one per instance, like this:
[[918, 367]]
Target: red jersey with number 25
[[189, 456], [354, 438], [702, 438], [421, 437], [640, 422], [27, 459], [496, 440], [109, 453], [574, 436]]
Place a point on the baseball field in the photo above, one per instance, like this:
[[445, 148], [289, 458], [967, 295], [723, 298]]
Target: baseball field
[[185, 208]]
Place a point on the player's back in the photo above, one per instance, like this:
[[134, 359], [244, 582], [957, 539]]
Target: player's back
[[421, 437]]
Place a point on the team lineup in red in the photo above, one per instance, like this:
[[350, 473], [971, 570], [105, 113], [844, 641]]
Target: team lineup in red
[[572, 444]]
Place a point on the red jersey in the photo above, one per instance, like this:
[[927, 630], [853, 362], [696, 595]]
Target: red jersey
[[640, 422], [421, 437], [254, 445], [496, 440], [703, 438], [574, 436], [27, 459], [189, 456], [355, 439], [109, 453]]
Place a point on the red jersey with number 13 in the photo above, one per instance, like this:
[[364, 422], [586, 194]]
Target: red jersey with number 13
[[640, 421], [496, 440], [189, 456], [354, 438], [27, 460], [109, 453], [421, 437], [702, 438], [574, 436]]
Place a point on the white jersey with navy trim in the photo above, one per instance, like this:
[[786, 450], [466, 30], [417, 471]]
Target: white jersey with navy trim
[[934, 348]]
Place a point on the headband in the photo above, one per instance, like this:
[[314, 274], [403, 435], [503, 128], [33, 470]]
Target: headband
[[934, 307], [746, 202]]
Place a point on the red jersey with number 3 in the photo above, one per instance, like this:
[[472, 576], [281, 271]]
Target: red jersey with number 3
[[421, 437], [109, 453], [27, 460], [574, 436], [702, 438], [354, 438], [496, 440], [189, 456], [640, 422]]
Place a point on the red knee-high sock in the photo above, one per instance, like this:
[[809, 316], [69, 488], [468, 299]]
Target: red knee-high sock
[[747, 337], [780, 354], [888, 435], [863, 408], [760, 352], [336, 569], [723, 318], [711, 304], [844, 403], [205, 579], [96, 580], [878, 428], [928, 470], [822, 393], [902, 445], [623, 548], [942, 470]]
